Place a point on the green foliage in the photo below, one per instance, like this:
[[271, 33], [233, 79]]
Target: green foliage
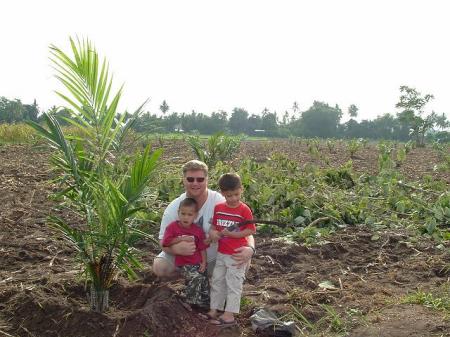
[[340, 177], [313, 147], [331, 144], [218, 147], [246, 303], [331, 322], [413, 116], [401, 156], [17, 133], [296, 195], [311, 235], [320, 120], [385, 162], [100, 184], [439, 301], [353, 146]]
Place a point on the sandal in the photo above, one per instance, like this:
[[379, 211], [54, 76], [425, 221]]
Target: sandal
[[206, 316], [222, 323]]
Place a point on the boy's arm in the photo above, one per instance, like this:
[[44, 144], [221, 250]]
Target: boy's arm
[[203, 263]]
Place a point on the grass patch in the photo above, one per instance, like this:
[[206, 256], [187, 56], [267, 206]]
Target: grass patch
[[439, 300], [331, 323], [16, 134]]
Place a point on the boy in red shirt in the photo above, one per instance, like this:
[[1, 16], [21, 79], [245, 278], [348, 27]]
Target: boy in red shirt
[[193, 266], [227, 279]]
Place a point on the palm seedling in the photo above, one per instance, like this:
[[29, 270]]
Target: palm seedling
[[218, 147], [96, 185]]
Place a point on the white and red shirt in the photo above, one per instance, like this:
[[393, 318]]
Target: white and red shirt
[[225, 217]]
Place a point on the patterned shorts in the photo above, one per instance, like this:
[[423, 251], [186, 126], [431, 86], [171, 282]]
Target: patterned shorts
[[197, 285]]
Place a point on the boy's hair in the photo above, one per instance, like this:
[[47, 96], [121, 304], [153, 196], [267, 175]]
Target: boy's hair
[[195, 165], [188, 202], [229, 182]]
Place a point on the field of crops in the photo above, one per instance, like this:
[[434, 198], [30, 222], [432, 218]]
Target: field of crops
[[377, 263]]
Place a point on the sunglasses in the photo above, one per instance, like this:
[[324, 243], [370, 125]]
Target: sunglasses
[[198, 179]]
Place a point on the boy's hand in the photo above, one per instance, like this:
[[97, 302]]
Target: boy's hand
[[202, 267], [225, 232], [214, 235]]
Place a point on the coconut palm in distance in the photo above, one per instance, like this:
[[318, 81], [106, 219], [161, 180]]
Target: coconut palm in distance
[[97, 185]]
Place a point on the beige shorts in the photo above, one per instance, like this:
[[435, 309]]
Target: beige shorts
[[171, 260]]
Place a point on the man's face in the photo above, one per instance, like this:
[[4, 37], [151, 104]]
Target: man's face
[[195, 183]]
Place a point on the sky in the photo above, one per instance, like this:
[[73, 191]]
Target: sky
[[208, 55]]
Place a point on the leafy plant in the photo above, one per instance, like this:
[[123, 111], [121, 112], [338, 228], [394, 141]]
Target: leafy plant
[[438, 301], [331, 144], [401, 156], [99, 184], [385, 162], [218, 147], [353, 146]]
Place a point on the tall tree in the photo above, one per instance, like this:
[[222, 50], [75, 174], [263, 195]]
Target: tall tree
[[320, 120], [353, 111], [31, 111], [11, 111], [238, 122], [413, 113], [269, 122], [164, 107]]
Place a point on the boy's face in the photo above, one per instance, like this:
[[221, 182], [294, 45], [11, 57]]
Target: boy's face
[[187, 215], [233, 197]]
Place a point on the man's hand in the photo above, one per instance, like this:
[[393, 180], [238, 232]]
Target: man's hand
[[184, 248], [188, 238], [242, 256]]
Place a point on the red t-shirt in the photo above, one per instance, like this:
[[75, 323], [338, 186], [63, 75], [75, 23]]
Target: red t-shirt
[[224, 217], [175, 230]]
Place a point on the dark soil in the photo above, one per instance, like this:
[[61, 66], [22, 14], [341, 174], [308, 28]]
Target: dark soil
[[41, 295]]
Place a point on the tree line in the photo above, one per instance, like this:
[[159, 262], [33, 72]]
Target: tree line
[[412, 122]]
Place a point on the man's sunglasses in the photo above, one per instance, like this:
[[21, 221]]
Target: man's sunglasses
[[198, 179]]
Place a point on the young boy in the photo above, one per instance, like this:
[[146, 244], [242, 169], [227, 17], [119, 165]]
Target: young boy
[[227, 279], [192, 266]]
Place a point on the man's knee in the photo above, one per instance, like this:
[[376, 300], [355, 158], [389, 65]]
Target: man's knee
[[162, 267]]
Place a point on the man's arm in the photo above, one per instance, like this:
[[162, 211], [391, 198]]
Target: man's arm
[[244, 254], [237, 235], [178, 239]]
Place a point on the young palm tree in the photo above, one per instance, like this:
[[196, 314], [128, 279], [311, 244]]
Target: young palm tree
[[97, 185]]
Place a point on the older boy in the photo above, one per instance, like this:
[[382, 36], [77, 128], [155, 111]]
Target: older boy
[[227, 279]]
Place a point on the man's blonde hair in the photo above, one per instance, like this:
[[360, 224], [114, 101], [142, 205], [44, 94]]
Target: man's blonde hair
[[195, 165]]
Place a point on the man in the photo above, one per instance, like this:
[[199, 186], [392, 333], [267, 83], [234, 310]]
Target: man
[[195, 182]]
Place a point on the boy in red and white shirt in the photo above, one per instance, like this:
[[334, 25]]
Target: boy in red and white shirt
[[227, 279]]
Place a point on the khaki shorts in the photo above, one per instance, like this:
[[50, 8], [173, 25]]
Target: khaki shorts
[[171, 260]]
